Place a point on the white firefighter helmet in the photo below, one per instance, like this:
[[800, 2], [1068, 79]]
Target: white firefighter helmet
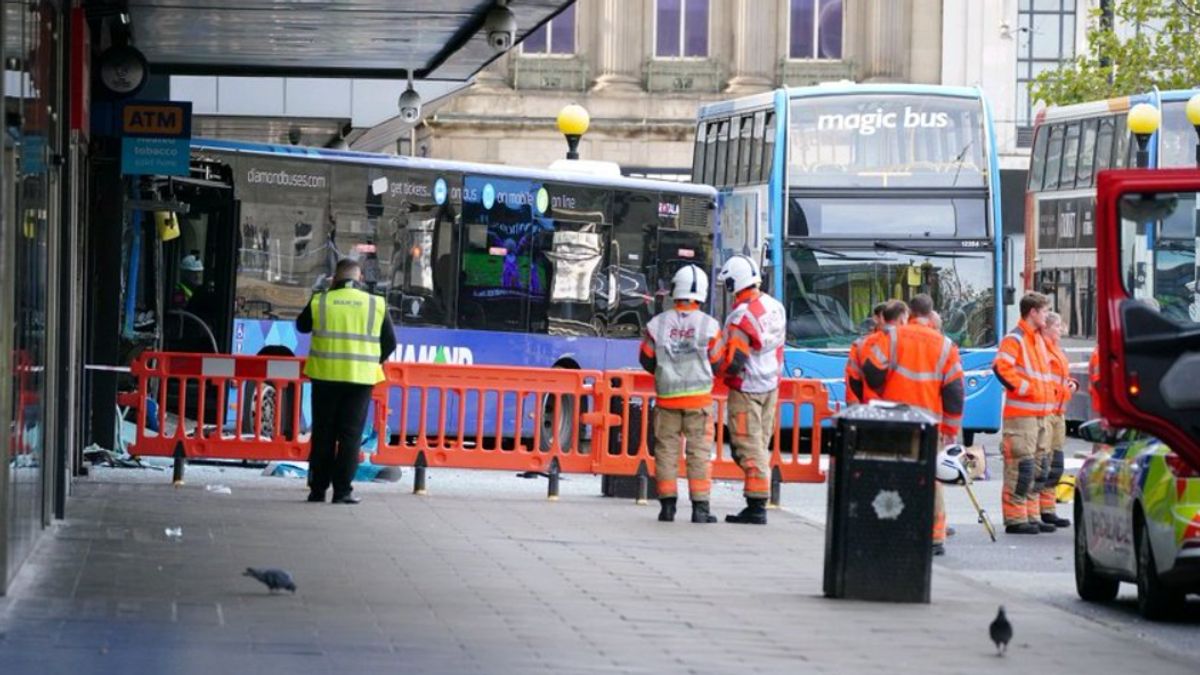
[[191, 263], [738, 273], [949, 465], [690, 283]]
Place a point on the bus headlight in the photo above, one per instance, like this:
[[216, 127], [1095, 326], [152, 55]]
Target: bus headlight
[[972, 382]]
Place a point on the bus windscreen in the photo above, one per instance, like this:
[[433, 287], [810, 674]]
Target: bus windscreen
[[872, 141]]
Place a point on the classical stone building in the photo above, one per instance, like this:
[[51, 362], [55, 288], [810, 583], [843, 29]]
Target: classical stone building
[[642, 67]]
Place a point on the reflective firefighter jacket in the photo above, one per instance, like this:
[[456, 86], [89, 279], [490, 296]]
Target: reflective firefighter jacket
[[681, 347]]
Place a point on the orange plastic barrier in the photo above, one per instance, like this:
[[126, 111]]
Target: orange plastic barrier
[[219, 406], [795, 456], [486, 417]]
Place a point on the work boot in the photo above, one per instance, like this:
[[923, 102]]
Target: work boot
[[939, 549], [700, 513], [755, 512], [1044, 526], [667, 513], [1022, 528], [1054, 520]]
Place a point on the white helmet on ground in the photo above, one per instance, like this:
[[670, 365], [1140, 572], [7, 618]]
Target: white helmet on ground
[[949, 465], [191, 263], [690, 283], [738, 273]]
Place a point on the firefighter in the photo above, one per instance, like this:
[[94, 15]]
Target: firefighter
[[911, 362], [754, 337], [191, 279], [681, 348], [1022, 366], [352, 336], [1063, 387], [854, 380]]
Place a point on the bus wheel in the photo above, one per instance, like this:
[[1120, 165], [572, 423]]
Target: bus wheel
[[565, 422]]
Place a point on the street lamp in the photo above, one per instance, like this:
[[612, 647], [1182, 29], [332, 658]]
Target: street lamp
[[1193, 116], [1143, 121], [573, 122]]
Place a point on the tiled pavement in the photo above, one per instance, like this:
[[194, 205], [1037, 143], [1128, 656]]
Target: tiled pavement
[[478, 579]]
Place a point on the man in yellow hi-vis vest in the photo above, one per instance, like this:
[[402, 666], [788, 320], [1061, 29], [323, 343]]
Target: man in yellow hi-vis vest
[[351, 336]]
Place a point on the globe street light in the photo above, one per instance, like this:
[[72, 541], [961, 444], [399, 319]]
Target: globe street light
[[1193, 116], [573, 122], [1143, 121]]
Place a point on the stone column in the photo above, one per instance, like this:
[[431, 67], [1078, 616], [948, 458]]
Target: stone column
[[619, 46], [887, 43], [752, 66]]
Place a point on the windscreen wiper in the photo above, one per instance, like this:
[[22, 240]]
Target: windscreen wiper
[[889, 246], [819, 249]]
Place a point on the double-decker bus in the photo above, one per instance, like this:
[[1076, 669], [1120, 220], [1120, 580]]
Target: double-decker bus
[[1071, 145], [479, 264], [849, 195]]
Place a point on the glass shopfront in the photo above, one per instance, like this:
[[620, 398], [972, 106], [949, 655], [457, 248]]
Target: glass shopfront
[[27, 240]]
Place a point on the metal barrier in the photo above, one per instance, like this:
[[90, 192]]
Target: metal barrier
[[219, 407], [545, 421], [795, 455]]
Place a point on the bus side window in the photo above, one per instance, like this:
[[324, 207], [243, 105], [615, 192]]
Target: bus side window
[[756, 157], [1087, 154], [698, 155], [735, 151], [1053, 158], [1121, 145], [1037, 165], [745, 154], [710, 154], [719, 180], [1104, 145], [1070, 159], [768, 145]]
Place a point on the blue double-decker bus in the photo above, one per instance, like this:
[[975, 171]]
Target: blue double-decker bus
[[479, 264], [850, 195]]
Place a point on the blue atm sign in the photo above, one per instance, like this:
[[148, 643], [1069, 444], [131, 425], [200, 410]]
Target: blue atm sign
[[156, 138]]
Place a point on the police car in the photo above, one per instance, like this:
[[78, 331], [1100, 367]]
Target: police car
[[1137, 519]]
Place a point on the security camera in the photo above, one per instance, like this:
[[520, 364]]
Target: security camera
[[501, 28], [410, 105]]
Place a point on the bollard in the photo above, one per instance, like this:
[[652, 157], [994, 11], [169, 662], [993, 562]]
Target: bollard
[[552, 490], [776, 488], [419, 475], [180, 463]]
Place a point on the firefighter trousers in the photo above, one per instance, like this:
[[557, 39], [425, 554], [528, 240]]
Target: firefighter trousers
[[675, 430], [751, 423], [1022, 436], [1054, 464]]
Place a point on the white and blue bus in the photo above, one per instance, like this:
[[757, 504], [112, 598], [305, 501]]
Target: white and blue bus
[[852, 194], [480, 264]]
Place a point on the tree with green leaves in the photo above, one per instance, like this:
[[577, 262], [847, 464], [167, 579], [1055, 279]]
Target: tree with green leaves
[[1144, 44]]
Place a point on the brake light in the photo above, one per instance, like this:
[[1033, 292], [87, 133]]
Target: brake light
[[1135, 384], [1180, 468]]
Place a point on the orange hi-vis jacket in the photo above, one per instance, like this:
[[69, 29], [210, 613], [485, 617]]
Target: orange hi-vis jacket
[[857, 390], [1060, 384], [918, 366], [1022, 366], [1094, 379]]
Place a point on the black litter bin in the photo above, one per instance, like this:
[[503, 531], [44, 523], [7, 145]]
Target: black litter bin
[[879, 526]]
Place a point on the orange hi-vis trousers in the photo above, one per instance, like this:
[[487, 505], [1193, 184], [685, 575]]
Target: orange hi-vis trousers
[[939, 513], [672, 429], [751, 423]]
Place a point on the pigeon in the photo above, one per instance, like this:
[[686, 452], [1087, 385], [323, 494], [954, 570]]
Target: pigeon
[[1001, 632], [274, 579]]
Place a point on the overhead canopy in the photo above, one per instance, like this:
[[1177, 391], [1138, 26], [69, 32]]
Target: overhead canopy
[[441, 39]]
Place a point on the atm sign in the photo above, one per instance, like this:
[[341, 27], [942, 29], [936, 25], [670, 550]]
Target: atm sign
[[164, 121]]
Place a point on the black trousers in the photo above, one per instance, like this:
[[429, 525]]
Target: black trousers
[[339, 412]]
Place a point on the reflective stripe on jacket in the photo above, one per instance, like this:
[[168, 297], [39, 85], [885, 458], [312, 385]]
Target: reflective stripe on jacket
[[754, 337], [918, 366], [1022, 366], [345, 337], [685, 343], [1060, 369]]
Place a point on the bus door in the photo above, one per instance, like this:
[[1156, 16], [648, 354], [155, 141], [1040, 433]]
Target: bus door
[[199, 268], [1149, 355]]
